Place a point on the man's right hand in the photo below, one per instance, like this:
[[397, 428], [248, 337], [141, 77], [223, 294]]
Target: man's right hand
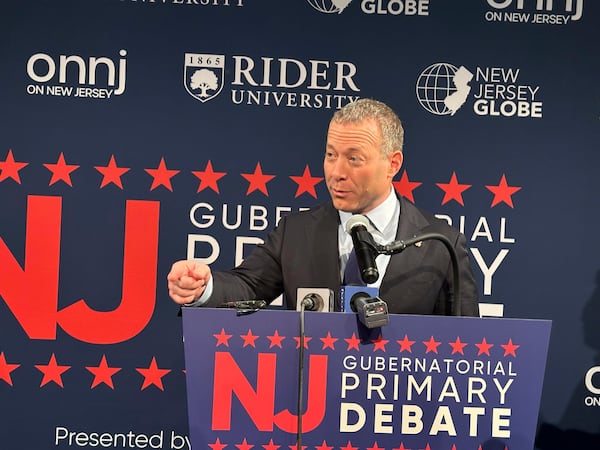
[[187, 281]]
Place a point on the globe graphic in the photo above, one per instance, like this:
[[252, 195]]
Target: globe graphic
[[324, 6], [435, 84]]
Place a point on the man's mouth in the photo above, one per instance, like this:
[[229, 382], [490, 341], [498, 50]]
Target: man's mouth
[[340, 192]]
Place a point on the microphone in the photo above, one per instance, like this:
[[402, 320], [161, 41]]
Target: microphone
[[371, 311], [364, 247], [313, 302], [348, 292], [314, 299]]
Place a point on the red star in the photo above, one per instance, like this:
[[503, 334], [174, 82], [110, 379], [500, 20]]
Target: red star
[[484, 347], [375, 447], [276, 340], [249, 339], [9, 168], [258, 181], [222, 338], [353, 342], [509, 349], [153, 375], [405, 187], [6, 369], [458, 346], [208, 178], [453, 190], [112, 173], [162, 176], [379, 343], [349, 447], [503, 192], [244, 445], [217, 445], [328, 341], [52, 371], [271, 445], [103, 373], [402, 447], [427, 447], [323, 446], [306, 183], [295, 446], [61, 171], [431, 345], [405, 344], [306, 341]]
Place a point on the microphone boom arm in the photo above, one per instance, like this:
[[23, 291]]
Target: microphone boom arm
[[398, 246]]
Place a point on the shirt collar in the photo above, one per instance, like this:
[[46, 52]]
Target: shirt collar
[[380, 217]]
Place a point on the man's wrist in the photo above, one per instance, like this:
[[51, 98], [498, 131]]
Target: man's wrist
[[204, 297]]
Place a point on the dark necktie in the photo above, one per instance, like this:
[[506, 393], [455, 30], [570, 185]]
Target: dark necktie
[[352, 272]]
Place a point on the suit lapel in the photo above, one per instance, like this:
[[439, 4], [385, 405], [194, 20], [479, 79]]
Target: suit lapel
[[410, 224], [324, 235]]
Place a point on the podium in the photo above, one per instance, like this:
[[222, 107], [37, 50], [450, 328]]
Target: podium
[[418, 383]]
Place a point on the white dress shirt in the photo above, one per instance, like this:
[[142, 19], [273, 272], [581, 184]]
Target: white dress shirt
[[384, 219]]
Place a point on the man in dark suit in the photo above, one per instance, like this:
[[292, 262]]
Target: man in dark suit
[[311, 248]]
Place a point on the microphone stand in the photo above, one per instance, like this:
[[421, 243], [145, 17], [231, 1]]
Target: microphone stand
[[398, 246], [303, 305]]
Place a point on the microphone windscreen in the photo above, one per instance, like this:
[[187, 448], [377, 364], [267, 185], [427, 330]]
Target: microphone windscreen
[[356, 220]]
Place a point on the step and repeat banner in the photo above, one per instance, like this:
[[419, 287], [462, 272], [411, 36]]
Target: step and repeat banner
[[136, 133]]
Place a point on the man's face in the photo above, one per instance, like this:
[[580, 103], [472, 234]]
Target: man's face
[[357, 174]]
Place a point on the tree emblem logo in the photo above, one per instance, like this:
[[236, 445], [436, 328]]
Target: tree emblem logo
[[203, 75]]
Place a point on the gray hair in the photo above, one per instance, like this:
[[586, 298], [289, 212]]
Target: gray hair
[[386, 119]]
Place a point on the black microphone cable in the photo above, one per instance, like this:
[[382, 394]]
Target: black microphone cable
[[312, 302], [300, 375]]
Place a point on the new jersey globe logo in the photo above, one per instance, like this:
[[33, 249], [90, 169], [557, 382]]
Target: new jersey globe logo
[[443, 88], [329, 6]]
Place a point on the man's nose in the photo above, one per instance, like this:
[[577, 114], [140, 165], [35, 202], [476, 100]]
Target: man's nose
[[339, 169]]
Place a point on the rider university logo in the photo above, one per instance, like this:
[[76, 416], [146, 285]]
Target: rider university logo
[[203, 75]]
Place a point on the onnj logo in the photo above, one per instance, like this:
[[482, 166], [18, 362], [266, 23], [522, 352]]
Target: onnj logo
[[75, 76], [203, 75], [535, 11], [592, 384]]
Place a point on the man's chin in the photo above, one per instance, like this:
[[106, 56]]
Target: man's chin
[[344, 207]]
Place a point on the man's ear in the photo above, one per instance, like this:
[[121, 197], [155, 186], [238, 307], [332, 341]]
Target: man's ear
[[396, 158]]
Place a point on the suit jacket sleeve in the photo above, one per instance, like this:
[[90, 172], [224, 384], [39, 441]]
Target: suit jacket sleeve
[[302, 251]]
